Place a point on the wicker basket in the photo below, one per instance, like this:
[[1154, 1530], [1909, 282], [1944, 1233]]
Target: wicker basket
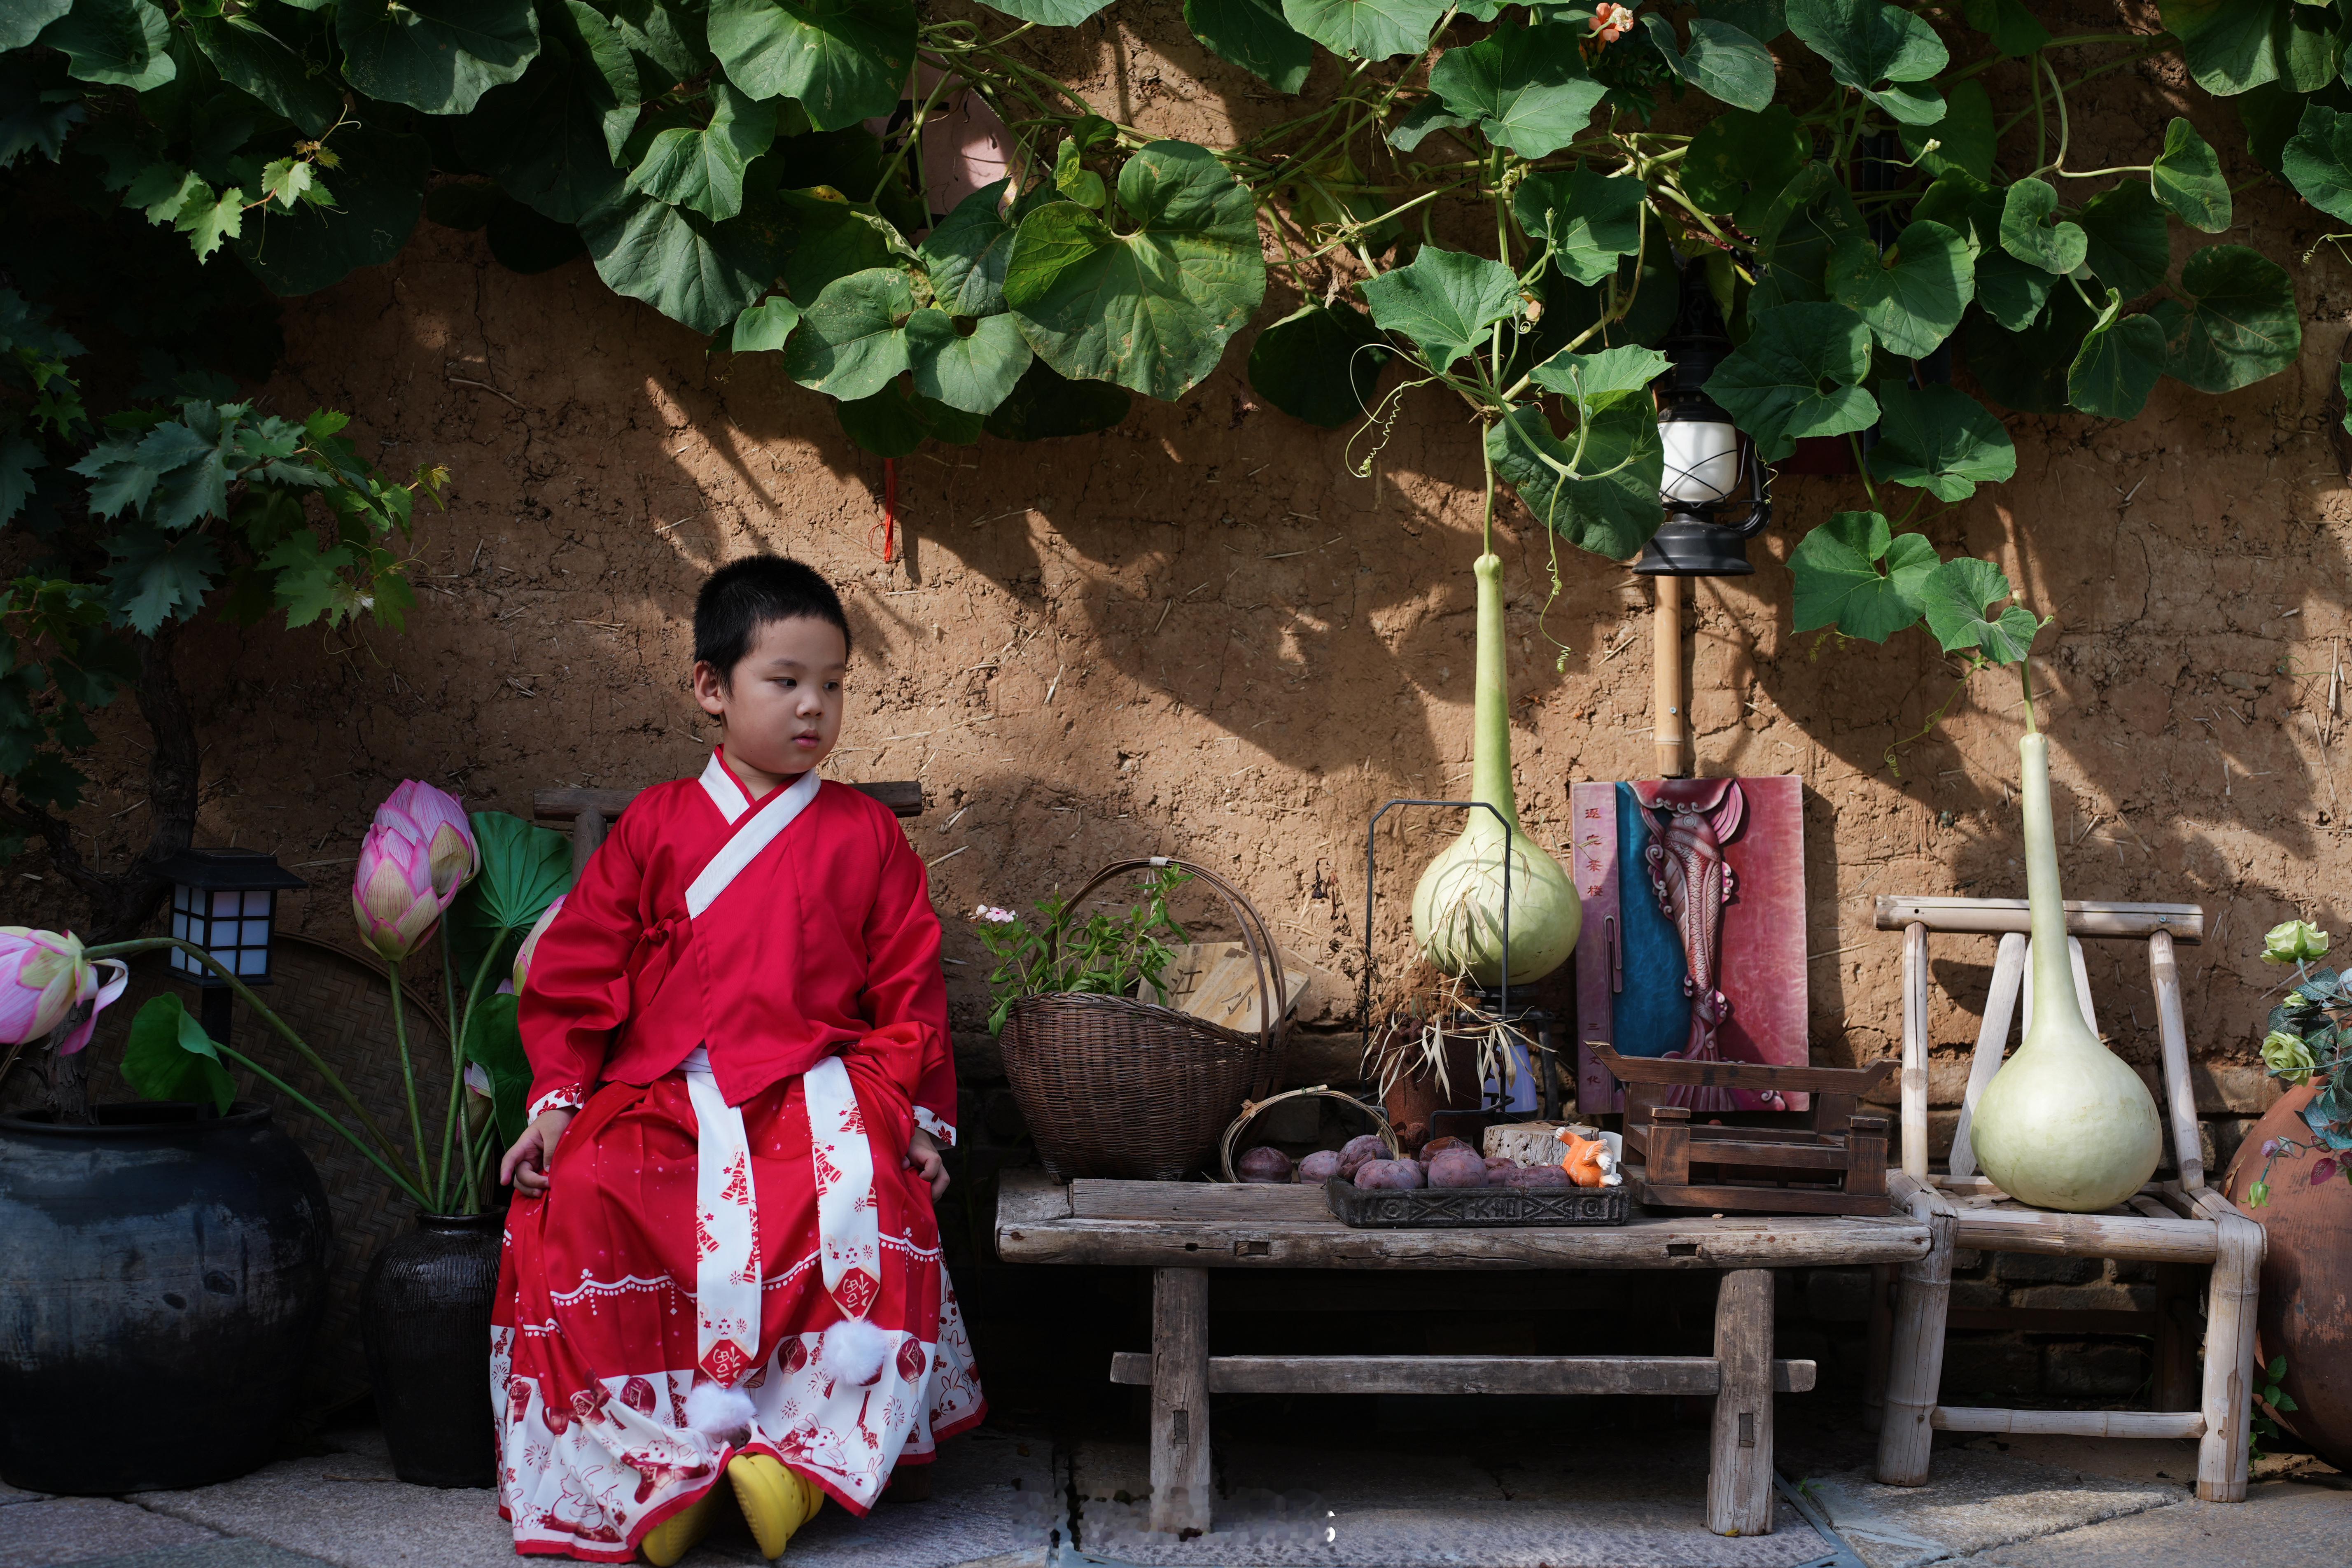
[[1376, 1123], [1115, 1086]]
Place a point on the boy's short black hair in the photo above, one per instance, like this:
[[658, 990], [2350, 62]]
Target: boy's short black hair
[[743, 596]]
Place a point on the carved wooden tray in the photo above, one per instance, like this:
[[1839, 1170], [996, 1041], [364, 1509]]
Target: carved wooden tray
[[1434, 1208]]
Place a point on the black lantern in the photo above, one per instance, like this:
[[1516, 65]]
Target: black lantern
[[1717, 495], [224, 902]]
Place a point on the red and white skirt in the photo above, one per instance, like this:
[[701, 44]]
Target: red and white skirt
[[620, 1305]]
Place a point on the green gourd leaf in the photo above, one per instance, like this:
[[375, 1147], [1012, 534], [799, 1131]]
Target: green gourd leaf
[[1868, 43], [843, 61], [2230, 46], [1252, 35], [550, 139], [1366, 29], [701, 166], [691, 269], [1606, 500], [966, 255], [1525, 88], [379, 191], [118, 43], [2118, 363], [2188, 180], [1914, 295], [1321, 364], [765, 327], [1957, 598], [2236, 322], [437, 56], [2129, 243], [1855, 574], [971, 365], [1939, 439], [249, 55], [1153, 306], [2318, 161], [1047, 405], [1447, 302], [852, 340], [2031, 231], [1591, 219], [1799, 375], [1739, 160]]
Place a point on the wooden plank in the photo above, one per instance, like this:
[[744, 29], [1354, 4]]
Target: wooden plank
[[1029, 1196], [2131, 1237], [1739, 1469], [1696, 1374], [1740, 1075], [1182, 1493], [1992, 1039], [1915, 1363], [1691, 1242], [1706, 1150], [2173, 1424], [2172, 1035], [1914, 1050], [1727, 1197], [2085, 916], [903, 797], [1094, 1198], [2230, 1301]]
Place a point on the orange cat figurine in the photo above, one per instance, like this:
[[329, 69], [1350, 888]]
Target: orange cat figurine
[[1588, 1162]]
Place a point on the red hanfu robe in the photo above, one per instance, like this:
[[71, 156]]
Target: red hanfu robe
[[745, 999]]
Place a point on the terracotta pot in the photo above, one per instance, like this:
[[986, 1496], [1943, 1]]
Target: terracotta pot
[[2307, 1302], [1415, 1097]]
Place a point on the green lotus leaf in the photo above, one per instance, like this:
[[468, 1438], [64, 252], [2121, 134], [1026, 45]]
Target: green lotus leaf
[[1939, 439], [168, 1056], [551, 137], [1857, 574], [2118, 363], [2237, 320], [1591, 219], [1153, 307], [1867, 42], [439, 56], [2031, 231], [1447, 302], [1526, 88], [379, 190], [1958, 595], [1599, 488], [1321, 364], [1366, 29], [2188, 179], [844, 60], [1252, 35], [691, 269], [1914, 295], [121, 43], [1799, 375], [702, 166], [2130, 244]]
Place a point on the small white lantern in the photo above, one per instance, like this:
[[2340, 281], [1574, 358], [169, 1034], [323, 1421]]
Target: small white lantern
[[225, 901]]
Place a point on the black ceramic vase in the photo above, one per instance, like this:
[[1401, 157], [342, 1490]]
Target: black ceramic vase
[[424, 1314], [163, 1273]]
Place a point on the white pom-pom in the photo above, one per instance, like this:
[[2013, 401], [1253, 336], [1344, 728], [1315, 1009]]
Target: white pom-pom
[[853, 1351], [719, 1412]]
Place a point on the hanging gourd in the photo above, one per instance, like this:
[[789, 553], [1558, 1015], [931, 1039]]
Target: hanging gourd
[[1457, 908], [2065, 1124]]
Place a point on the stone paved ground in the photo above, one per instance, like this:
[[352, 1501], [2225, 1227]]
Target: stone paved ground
[[1590, 1500]]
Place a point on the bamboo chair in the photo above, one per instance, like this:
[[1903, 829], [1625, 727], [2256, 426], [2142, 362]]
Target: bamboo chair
[[2181, 1225]]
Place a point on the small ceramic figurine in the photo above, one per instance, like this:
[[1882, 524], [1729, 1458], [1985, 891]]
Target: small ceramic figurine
[[1589, 1161]]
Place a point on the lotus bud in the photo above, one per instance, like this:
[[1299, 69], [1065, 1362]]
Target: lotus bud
[[44, 976], [2294, 941], [393, 897], [529, 947], [434, 819], [2288, 1056]]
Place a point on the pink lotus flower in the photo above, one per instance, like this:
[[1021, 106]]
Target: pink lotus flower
[[530, 943], [434, 819], [43, 977], [392, 897]]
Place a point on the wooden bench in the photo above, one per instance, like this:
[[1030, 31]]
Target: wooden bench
[[591, 811], [1182, 1229]]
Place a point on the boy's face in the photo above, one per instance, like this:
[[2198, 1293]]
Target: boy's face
[[781, 703]]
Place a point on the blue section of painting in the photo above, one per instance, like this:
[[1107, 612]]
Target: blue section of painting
[[1653, 1014]]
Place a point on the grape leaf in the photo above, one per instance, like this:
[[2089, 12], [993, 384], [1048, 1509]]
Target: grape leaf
[[1857, 574], [1937, 438], [379, 187], [1799, 375]]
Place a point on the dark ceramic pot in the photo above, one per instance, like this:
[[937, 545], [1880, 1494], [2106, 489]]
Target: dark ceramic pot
[[162, 1274], [2306, 1278], [425, 1316]]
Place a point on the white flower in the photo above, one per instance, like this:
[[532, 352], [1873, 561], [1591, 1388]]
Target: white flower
[[993, 915]]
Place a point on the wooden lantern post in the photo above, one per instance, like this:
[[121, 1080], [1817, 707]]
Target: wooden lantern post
[[1673, 726]]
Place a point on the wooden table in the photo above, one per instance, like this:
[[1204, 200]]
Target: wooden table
[[1181, 1230]]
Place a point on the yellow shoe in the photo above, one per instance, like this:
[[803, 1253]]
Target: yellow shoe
[[676, 1536], [776, 1501]]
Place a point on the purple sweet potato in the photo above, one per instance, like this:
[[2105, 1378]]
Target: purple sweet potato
[[1457, 1168], [1437, 1146], [1357, 1153], [1498, 1163], [1263, 1163], [1319, 1167], [1389, 1175], [1536, 1176]]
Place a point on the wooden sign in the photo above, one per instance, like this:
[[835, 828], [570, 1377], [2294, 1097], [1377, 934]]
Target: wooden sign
[[1693, 944]]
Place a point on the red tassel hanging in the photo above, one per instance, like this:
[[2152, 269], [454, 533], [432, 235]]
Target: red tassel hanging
[[889, 527]]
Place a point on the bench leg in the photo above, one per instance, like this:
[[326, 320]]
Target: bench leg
[[1739, 1473], [1915, 1357], [2222, 1455], [1181, 1493], [1881, 1334]]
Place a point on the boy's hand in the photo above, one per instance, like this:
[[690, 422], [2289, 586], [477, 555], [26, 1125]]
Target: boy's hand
[[526, 1164], [923, 1159]]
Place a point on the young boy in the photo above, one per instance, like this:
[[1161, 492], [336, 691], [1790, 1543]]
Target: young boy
[[722, 1258]]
